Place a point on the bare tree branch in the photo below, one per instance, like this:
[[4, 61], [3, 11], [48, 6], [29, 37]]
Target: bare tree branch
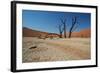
[[73, 26], [60, 28], [63, 21]]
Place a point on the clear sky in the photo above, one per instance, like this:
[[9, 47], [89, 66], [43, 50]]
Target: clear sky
[[48, 20]]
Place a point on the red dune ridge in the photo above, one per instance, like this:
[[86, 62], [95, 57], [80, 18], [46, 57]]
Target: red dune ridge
[[85, 33], [35, 33]]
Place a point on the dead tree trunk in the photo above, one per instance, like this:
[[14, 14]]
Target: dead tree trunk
[[64, 26], [70, 34], [73, 26], [65, 30], [60, 35], [60, 31]]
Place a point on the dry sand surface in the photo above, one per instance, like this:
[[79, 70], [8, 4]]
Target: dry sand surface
[[55, 49]]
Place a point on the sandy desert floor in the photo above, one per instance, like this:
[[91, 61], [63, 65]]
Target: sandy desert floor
[[55, 49]]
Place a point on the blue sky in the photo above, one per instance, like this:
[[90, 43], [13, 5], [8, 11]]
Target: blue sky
[[48, 21]]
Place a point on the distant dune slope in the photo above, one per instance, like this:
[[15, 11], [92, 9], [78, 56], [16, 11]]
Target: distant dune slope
[[35, 33], [32, 33], [83, 33]]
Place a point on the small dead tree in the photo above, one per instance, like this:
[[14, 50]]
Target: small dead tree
[[60, 28], [73, 26], [63, 21]]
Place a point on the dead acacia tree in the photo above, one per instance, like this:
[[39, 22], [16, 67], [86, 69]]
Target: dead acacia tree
[[74, 25], [60, 28], [63, 21]]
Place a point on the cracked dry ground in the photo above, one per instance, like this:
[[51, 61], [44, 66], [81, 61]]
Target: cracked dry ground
[[55, 49]]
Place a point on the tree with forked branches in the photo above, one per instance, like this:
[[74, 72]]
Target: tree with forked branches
[[63, 21], [74, 26], [60, 28]]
